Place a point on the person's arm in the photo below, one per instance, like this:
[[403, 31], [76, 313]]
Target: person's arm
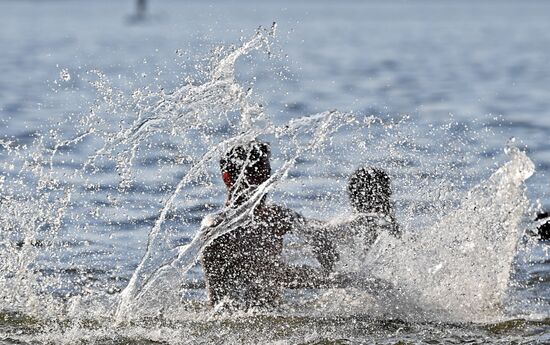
[[303, 277], [316, 234], [324, 250]]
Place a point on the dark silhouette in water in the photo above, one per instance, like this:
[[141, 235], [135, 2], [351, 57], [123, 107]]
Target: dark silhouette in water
[[544, 229], [244, 267], [141, 7], [370, 192]]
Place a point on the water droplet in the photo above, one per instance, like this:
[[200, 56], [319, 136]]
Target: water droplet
[[64, 75]]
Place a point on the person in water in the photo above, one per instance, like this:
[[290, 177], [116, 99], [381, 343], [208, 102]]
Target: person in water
[[370, 193], [244, 267]]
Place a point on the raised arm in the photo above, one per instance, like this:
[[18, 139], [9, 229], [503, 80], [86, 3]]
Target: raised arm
[[315, 233]]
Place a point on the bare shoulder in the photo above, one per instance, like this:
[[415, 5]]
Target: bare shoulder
[[284, 218], [281, 210]]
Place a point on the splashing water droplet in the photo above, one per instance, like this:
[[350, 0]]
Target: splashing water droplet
[[64, 75], [511, 146]]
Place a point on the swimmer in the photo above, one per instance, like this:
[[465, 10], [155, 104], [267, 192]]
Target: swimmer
[[244, 267], [141, 6], [369, 192]]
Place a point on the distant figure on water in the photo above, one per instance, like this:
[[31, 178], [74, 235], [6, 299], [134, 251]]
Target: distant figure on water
[[244, 267], [141, 8], [140, 15]]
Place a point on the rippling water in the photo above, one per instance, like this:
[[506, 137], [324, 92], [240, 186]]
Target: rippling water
[[430, 91]]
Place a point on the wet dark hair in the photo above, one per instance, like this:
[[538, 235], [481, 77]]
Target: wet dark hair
[[250, 159], [369, 190]]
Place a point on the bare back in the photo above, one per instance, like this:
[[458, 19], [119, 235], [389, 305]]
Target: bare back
[[244, 265]]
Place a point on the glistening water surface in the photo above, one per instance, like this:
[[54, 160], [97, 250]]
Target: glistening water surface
[[112, 126]]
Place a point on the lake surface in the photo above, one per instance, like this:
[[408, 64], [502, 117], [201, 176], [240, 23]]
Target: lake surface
[[103, 114]]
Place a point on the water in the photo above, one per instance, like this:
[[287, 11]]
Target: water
[[112, 125]]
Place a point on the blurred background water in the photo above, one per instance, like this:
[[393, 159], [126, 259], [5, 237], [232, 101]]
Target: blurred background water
[[465, 76]]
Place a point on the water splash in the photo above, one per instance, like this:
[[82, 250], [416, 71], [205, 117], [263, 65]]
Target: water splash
[[433, 273], [36, 198], [64, 75], [460, 266]]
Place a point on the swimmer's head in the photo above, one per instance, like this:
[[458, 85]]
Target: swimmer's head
[[246, 165], [369, 190]]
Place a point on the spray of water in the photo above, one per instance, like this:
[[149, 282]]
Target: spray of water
[[460, 266]]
